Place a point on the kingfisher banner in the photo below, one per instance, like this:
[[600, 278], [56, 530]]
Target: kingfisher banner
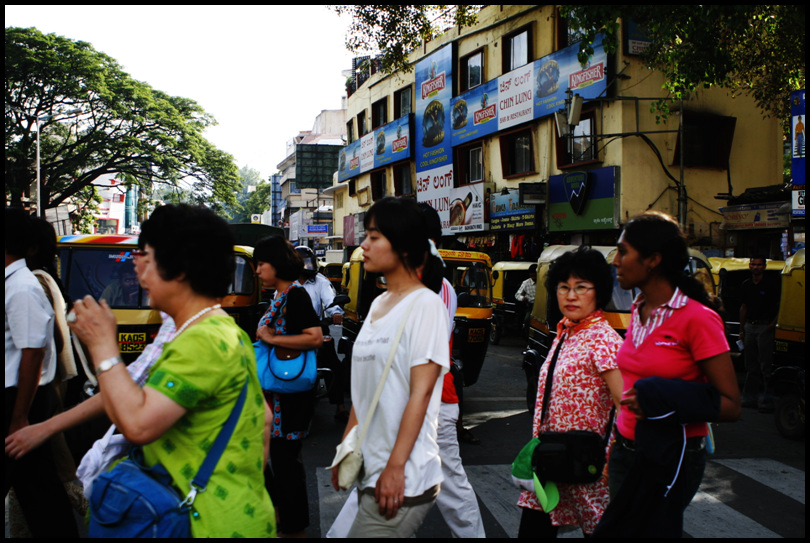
[[385, 145]]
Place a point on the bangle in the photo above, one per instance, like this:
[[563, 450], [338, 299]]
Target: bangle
[[107, 364]]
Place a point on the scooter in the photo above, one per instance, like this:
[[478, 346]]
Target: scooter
[[326, 352]]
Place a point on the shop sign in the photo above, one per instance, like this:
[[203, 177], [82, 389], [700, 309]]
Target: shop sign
[[348, 231], [798, 145], [743, 217], [506, 213], [583, 200]]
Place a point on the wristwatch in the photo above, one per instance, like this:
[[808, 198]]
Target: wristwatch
[[107, 364]]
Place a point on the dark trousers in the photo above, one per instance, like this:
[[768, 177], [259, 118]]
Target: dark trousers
[[285, 480], [536, 525], [34, 478], [328, 358]]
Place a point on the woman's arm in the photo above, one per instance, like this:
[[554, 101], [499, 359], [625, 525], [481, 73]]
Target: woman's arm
[[29, 438], [390, 490], [613, 379], [309, 338], [142, 415], [719, 370]]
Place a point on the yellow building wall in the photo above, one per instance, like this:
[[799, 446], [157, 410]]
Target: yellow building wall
[[756, 152]]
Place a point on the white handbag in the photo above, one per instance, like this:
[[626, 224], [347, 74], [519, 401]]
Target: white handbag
[[349, 455]]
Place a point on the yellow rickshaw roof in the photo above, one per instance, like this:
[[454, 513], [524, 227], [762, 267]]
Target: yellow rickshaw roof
[[357, 255], [740, 263], [125, 239], [510, 265], [795, 262]]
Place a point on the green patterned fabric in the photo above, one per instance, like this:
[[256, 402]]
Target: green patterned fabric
[[204, 370]]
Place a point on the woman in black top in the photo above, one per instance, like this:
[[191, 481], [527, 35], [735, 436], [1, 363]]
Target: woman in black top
[[289, 322]]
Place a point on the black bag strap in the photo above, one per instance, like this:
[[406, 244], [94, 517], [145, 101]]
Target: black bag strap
[[547, 390]]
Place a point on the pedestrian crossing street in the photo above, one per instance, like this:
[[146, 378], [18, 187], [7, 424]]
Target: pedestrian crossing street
[[738, 498]]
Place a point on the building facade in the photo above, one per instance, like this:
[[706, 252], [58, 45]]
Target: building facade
[[517, 145]]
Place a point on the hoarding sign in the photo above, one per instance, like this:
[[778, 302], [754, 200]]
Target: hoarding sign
[[506, 212], [582, 200], [798, 143], [744, 217]]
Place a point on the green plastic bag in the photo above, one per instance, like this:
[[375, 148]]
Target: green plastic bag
[[524, 477]]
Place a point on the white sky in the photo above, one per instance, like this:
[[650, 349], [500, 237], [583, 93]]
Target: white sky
[[264, 72]]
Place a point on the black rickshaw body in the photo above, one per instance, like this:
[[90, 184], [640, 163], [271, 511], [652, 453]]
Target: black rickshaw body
[[508, 313], [789, 361]]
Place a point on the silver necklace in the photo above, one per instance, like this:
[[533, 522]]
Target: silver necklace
[[195, 317]]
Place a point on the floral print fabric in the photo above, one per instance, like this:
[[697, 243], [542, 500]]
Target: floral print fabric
[[580, 400]]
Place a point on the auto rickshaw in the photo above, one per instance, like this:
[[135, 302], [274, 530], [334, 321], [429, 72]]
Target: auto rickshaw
[[508, 314], [469, 272], [101, 265], [729, 274], [334, 272], [546, 313], [787, 378]]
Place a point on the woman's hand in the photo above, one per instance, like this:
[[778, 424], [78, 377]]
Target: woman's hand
[[95, 325], [26, 440], [390, 490], [266, 334], [630, 399]]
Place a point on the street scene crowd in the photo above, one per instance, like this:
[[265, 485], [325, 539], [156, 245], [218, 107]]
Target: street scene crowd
[[204, 389]]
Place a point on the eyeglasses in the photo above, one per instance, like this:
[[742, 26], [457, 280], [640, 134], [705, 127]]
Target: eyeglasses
[[579, 290]]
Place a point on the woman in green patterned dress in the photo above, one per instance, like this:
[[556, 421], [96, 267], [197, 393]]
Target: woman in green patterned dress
[[194, 385]]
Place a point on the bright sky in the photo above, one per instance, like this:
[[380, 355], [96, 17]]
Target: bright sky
[[264, 72]]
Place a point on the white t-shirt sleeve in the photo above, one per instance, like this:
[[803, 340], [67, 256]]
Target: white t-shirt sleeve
[[427, 332]]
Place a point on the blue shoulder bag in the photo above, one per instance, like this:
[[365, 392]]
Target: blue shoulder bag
[[283, 370], [132, 500]]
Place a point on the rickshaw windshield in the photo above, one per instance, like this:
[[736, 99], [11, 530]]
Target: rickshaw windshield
[[244, 282], [104, 273], [621, 301], [470, 281]]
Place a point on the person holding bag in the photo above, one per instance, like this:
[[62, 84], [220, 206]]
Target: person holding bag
[[290, 323], [194, 389], [402, 471], [582, 392]]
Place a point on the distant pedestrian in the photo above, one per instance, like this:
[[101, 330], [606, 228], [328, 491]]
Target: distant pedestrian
[[758, 312]]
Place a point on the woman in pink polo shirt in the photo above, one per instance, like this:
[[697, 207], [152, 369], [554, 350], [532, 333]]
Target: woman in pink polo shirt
[[676, 337]]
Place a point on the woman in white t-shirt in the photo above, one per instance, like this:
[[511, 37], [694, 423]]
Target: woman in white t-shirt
[[402, 469]]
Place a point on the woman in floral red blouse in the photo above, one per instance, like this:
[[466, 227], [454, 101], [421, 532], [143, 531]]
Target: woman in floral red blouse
[[586, 384]]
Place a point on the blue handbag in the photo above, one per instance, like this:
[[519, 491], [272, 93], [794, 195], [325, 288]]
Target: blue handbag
[[285, 371], [132, 500]]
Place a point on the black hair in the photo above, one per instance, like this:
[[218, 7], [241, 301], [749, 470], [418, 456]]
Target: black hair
[[193, 242], [279, 253], [655, 232], [42, 253], [586, 264], [758, 256], [406, 227], [18, 231]]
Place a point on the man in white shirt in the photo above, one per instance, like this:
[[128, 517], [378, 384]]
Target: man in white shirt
[[29, 369], [322, 295]]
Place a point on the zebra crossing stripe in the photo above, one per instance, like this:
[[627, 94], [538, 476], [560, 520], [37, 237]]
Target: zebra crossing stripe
[[776, 475], [493, 484], [707, 516]]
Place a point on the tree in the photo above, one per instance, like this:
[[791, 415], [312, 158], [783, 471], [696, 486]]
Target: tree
[[744, 48], [249, 179], [95, 119], [394, 31]]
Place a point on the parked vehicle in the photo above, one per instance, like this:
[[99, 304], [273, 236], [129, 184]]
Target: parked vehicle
[[102, 267], [729, 274], [508, 314], [546, 313], [469, 272], [789, 361]]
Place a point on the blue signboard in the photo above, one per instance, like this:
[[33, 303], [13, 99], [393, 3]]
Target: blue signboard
[[385, 145], [798, 143], [474, 114], [434, 91], [560, 71]]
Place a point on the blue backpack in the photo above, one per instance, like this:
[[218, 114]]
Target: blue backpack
[[132, 500]]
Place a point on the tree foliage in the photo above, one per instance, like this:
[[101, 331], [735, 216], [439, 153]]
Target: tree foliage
[[744, 48], [394, 31], [95, 119]]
